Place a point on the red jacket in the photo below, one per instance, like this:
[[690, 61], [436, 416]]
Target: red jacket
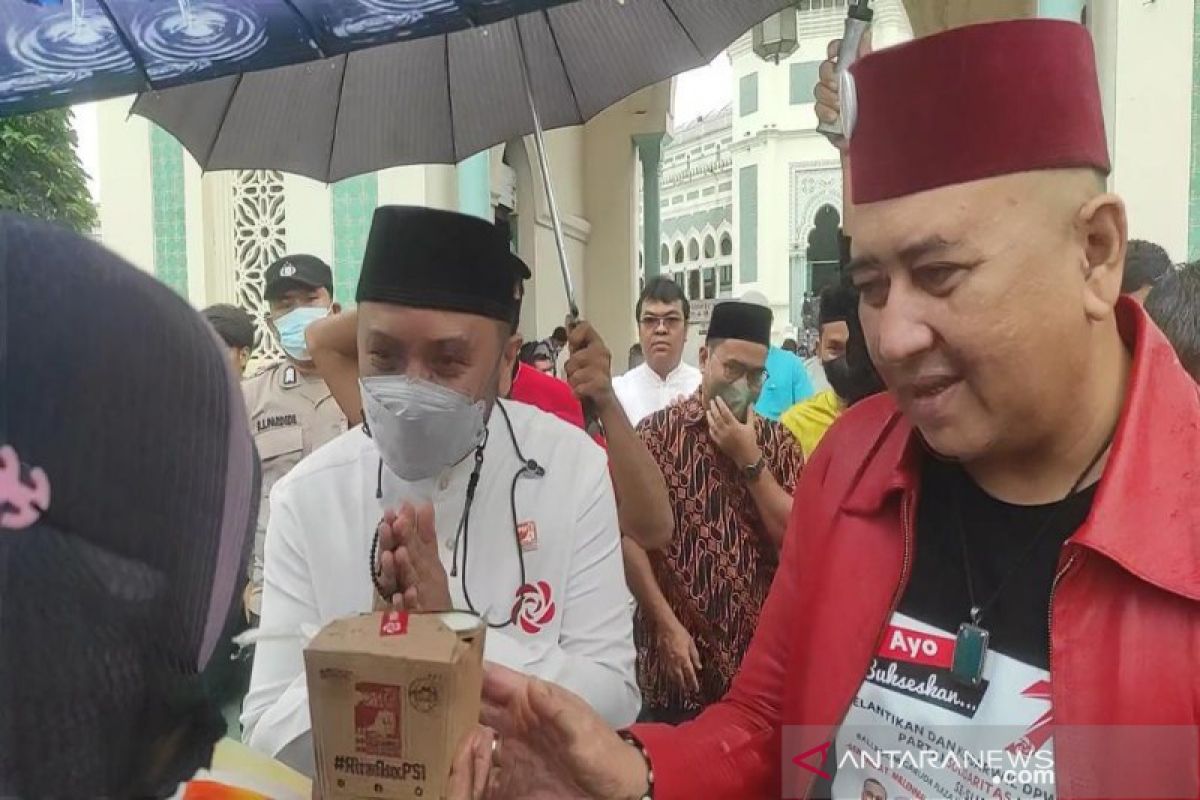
[[1125, 610]]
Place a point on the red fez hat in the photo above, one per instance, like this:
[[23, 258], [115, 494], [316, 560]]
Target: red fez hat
[[975, 102]]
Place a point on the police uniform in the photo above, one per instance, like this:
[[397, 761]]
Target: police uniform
[[291, 414]]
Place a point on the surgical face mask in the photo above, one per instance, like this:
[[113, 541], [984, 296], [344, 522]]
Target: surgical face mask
[[291, 327], [421, 428], [738, 396]]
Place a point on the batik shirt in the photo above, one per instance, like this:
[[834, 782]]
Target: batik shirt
[[718, 568]]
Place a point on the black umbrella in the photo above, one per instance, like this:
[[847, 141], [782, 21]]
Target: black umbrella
[[440, 99]]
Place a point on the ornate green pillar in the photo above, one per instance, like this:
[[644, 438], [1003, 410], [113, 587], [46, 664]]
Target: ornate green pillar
[[475, 186], [1061, 9], [168, 204], [649, 147], [354, 201]]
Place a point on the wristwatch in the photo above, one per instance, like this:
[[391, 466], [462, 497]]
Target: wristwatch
[[754, 470]]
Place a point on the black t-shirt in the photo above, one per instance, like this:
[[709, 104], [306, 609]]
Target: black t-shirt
[[998, 536]]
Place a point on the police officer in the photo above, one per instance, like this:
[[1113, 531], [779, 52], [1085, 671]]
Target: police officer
[[291, 410]]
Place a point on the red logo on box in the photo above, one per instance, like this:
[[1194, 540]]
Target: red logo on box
[[394, 623], [377, 729]]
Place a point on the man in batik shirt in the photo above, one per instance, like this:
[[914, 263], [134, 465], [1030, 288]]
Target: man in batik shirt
[[729, 475]]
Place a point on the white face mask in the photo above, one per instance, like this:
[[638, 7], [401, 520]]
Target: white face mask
[[292, 327], [420, 428]]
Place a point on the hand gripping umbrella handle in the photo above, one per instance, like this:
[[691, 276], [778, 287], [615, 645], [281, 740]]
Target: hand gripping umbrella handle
[[858, 22]]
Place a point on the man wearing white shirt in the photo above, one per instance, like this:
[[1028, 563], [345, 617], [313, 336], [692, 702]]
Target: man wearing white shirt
[[454, 498], [662, 314]]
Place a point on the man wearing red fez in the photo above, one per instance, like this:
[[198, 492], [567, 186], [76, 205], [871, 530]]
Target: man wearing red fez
[[990, 586]]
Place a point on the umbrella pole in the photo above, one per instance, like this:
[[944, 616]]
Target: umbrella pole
[[540, 145]]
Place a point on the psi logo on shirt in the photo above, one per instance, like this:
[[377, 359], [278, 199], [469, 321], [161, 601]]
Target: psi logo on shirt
[[534, 608], [527, 536]]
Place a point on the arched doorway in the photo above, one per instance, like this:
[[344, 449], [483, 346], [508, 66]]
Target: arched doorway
[[816, 266], [824, 250]]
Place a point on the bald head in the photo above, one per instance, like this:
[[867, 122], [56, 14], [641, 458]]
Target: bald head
[[1061, 193]]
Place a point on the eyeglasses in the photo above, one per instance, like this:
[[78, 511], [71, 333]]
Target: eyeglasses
[[651, 322], [736, 370]]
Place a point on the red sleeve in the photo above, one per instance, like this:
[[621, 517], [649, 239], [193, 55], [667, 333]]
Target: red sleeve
[[732, 749], [548, 394], [551, 395]]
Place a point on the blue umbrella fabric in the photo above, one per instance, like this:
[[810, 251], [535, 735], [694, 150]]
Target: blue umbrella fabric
[[59, 52], [444, 98]]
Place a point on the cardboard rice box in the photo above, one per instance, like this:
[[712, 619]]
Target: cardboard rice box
[[392, 696]]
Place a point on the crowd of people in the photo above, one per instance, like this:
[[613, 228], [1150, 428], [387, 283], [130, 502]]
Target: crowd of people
[[982, 517]]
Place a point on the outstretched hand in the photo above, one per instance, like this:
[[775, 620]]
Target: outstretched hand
[[552, 746]]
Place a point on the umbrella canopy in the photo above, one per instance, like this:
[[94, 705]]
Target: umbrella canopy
[[57, 52], [446, 97]]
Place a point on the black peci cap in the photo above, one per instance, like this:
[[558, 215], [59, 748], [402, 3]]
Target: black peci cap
[[838, 304], [748, 322], [426, 258]]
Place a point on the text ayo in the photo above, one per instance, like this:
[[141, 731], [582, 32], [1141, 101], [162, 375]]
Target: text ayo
[[907, 643]]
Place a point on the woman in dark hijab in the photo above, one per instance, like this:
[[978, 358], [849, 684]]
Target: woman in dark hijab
[[128, 486]]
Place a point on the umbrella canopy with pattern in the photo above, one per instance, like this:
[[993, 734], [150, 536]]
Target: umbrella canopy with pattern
[[444, 98], [57, 52]]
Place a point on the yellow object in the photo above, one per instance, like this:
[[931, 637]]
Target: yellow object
[[808, 421], [239, 773]]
